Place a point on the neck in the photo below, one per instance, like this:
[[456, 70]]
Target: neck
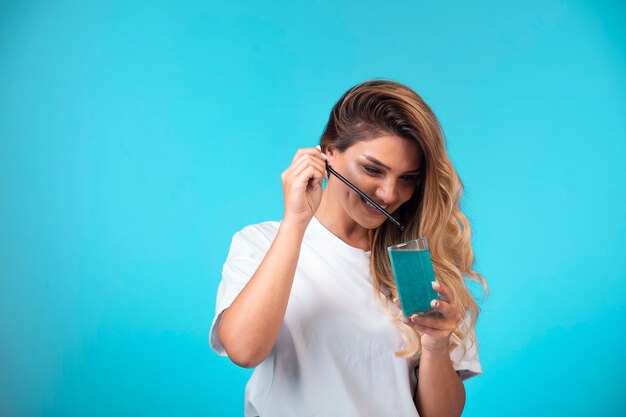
[[334, 218]]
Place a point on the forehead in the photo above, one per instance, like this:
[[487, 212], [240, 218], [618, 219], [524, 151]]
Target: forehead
[[395, 151]]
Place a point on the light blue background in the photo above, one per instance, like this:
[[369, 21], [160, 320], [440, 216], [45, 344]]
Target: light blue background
[[137, 138]]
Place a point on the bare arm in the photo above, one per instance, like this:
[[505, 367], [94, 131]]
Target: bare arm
[[440, 391], [249, 327]]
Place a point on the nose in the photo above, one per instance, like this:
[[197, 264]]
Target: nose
[[388, 192]]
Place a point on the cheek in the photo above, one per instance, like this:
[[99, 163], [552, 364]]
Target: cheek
[[352, 172], [408, 192], [359, 178]]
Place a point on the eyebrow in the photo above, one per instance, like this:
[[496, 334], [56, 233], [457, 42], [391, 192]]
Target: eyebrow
[[377, 162]]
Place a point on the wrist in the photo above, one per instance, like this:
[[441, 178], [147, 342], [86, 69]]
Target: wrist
[[287, 225], [434, 351]]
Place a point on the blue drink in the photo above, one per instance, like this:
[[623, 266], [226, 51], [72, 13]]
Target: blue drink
[[413, 273]]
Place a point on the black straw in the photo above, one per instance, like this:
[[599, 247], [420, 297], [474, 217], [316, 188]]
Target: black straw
[[362, 194]]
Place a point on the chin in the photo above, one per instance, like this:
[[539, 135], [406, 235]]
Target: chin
[[370, 223]]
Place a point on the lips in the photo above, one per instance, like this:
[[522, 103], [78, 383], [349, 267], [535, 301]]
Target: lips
[[371, 206]]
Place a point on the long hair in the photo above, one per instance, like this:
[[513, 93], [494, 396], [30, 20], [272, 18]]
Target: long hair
[[378, 107]]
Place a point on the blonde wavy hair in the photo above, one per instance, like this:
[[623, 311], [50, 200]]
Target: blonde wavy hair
[[378, 107]]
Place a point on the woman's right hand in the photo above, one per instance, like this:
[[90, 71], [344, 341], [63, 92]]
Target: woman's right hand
[[302, 185]]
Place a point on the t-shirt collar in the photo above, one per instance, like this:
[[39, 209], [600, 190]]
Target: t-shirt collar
[[336, 241]]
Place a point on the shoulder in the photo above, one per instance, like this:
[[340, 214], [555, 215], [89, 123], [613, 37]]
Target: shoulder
[[263, 229], [258, 235]]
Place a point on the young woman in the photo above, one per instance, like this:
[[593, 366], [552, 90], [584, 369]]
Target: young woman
[[310, 301]]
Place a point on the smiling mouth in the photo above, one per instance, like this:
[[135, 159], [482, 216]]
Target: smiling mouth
[[371, 205]]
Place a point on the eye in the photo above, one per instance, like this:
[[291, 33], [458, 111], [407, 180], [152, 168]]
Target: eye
[[411, 178], [371, 170]]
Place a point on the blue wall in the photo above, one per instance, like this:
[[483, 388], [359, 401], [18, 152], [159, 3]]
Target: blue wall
[[135, 139]]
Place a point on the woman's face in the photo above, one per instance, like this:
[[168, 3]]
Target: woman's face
[[386, 168]]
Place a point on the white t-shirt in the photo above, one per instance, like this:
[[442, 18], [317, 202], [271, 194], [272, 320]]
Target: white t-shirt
[[334, 355]]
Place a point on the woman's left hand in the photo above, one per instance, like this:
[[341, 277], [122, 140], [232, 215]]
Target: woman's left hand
[[435, 331]]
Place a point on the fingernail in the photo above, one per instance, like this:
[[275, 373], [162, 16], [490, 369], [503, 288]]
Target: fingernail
[[435, 283], [434, 303], [404, 320], [319, 148], [395, 299]]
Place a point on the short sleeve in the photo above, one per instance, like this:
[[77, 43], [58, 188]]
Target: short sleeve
[[244, 257], [467, 363]]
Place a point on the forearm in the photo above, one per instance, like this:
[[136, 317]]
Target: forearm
[[249, 327], [440, 391]]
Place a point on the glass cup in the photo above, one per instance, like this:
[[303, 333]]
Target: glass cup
[[413, 272]]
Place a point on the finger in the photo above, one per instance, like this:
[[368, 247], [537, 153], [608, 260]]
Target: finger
[[422, 330], [319, 148], [309, 151], [440, 324], [306, 175], [298, 165], [444, 290], [297, 155], [396, 301], [309, 162], [419, 329], [326, 160], [301, 163], [314, 159], [444, 307], [316, 156], [425, 330]]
